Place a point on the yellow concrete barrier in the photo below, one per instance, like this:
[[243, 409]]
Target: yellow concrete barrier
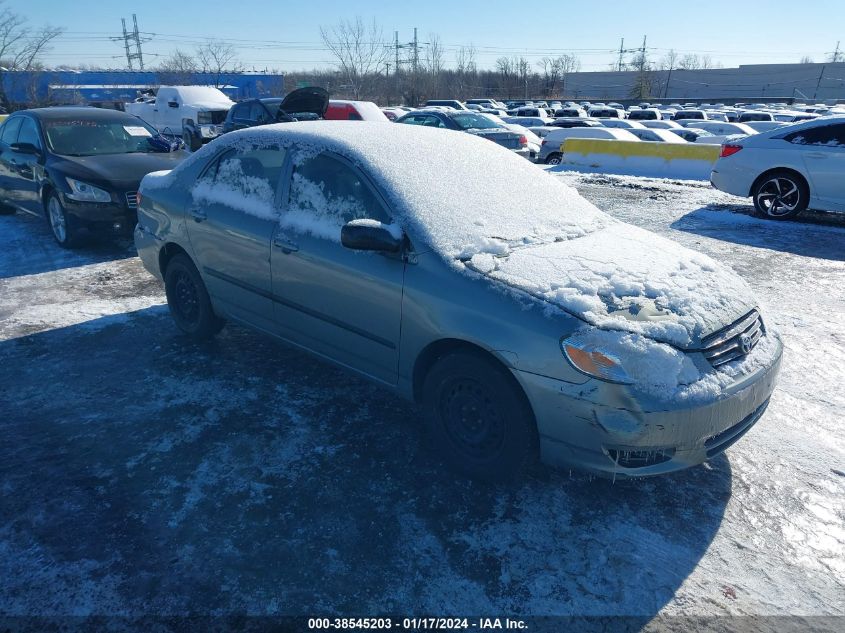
[[633, 149], [686, 161], [3, 117]]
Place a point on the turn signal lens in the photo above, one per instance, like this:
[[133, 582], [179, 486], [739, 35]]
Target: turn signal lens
[[594, 362]]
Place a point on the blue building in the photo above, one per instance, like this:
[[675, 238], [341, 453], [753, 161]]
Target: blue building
[[112, 88]]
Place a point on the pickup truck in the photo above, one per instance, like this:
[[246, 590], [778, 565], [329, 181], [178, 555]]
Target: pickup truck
[[196, 113]]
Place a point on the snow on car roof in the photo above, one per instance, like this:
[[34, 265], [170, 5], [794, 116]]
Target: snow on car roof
[[456, 192]]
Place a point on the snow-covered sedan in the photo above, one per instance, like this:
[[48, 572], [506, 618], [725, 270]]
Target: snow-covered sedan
[[524, 320], [788, 169]]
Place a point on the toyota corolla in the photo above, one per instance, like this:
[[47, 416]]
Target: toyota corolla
[[527, 323]]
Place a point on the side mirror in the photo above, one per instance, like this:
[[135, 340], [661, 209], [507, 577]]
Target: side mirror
[[371, 235], [25, 148], [173, 104]]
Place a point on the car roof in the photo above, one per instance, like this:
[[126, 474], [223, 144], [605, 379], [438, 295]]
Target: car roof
[[64, 112]]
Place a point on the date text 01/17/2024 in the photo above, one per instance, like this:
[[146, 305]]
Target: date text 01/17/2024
[[416, 624]]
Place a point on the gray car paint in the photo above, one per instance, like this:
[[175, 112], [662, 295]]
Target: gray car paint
[[385, 316]]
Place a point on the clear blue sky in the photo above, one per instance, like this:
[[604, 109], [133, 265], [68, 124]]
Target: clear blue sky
[[285, 35]]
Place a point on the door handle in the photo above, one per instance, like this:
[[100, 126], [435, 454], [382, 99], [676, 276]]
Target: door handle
[[286, 245], [199, 215]]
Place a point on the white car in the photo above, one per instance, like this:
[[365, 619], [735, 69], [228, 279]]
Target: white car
[[787, 170], [656, 136], [661, 124], [550, 150], [765, 126], [720, 127], [624, 124]]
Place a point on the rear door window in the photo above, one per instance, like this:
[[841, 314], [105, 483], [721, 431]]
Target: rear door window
[[10, 130], [29, 133], [245, 180], [827, 135]]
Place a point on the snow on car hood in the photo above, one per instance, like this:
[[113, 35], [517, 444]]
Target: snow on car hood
[[625, 278]]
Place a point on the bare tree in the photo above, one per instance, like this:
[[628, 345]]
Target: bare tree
[[689, 62], [178, 68], [359, 50], [466, 70], [806, 60], [217, 57], [433, 66], [21, 47]]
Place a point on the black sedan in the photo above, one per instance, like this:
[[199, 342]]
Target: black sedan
[[79, 167], [472, 123], [300, 105]]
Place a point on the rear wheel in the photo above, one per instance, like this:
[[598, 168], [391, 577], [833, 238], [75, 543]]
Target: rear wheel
[[188, 300], [63, 226], [554, 158], [780, 195], [478, 416]]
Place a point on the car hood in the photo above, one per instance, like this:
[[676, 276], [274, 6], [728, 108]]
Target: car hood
[[211, 105], [309, 99], [625, 278], [117, 170], [497, 132]]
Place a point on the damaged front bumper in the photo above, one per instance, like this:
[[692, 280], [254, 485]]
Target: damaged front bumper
[[603, 428]]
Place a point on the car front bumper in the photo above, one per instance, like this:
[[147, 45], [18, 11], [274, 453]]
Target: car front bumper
[[106, 217], [618, 438]]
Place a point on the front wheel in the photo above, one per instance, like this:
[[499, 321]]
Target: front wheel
[[781, 195], [63, 226], [554, 158], [188, 300], [478, 416]]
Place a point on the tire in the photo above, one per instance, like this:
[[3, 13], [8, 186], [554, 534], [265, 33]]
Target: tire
[[191, 141], [478, 416], [188, 300], [63, 226], [780, 195], [554, 158]]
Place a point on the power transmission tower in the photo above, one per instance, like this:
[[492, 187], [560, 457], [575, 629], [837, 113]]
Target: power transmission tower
[[129, 38], [837, 54]]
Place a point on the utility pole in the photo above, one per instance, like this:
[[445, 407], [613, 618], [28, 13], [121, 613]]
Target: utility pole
[[621, 51], [132, 37]]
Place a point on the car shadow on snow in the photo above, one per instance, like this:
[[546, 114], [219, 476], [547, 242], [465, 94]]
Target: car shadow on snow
[[27, 247], [811, 234], [149, 474]]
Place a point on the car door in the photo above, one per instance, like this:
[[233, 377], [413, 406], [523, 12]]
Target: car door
[[340, 303], [8, 178], [232, 217], [27, 168], [241, 116], [823, 153]]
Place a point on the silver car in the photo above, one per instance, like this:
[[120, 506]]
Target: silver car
[[526, 322]]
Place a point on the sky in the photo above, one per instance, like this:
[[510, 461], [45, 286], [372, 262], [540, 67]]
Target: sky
[[285, 35]]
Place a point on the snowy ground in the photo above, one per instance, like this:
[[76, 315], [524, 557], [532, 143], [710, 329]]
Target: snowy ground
[[145, 474]]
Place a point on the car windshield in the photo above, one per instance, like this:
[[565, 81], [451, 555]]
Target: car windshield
[[86, 137], [473, 122]]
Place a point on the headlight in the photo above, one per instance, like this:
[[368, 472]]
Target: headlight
[[593, 358], [84, 192]]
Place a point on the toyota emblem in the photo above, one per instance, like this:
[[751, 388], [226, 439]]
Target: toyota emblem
[[745, 343]]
